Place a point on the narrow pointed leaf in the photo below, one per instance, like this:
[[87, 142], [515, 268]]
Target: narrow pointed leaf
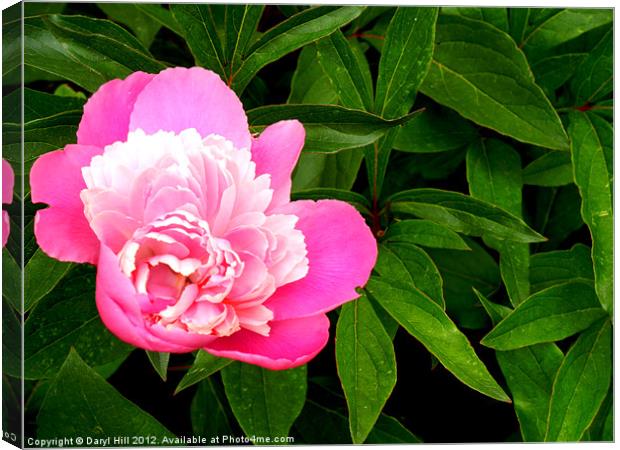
[[204, 366], [209, 410], [159, 361], [592, 177], [366, 365], [425, 233], [405, 59], [581, 384], [428, 323], [549, 315], [594, 77], [551, 268], [463, 214], [551, 169]]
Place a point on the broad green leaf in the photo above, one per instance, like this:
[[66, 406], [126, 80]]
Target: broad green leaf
[[405, 59], [410, 265], [551, 268], [41, 275], [143, 25], [560, 26], [549, 315], [329, 128], [434, 130], [84, 50], [209, 410], [518, 19], [359, 201], [67, 318], [388, 430], [159, 361], [80, 403], [498, 17], [428, 323], [594, 78], [529, 373], [11, 280], [265, 402], [425, 233], [366, 365], [303, 28], [463, 214], [494, 175], [551, 169], [478, 71], [204, 366], [592, 176], [347, 75], [462, 271], [581, 384]]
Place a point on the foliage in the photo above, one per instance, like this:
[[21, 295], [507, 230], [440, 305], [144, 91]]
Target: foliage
[[477, 143]]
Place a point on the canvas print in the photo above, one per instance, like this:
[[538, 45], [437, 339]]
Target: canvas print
[[231, 224]]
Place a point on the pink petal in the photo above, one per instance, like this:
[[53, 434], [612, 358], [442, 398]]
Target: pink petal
[[62, 230], [180, 98], [276, 152], [341, 252], [8, 182], [106, 114], [119, 307], [290, 343]]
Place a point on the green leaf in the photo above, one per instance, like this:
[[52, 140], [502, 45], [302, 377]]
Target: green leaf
[[143, 26], [41, 275], [478, 71], [557, 213], [435, 130], [329, 128], [551, 268], [405, 59], [549, 315], [593, 79], [349, 77], [498, 17], [551, 169], [410, 266], [303, 28], [529, 373], [425, 233], [80, 403], [462, 271], [12, 327], [161, 15], [560, 26], [428, 323], [240, 28], [265, 402], [602, 426], [366, 365], [87, 51], [377, 158], [68, 318], [159, 361], [463, 214], [494, 175], [592, 176], [359, 201], [310, 83], [554, 70], [495, 311], [388, 430], [209, 410], [204, 366], [581, 384], [11, 280]]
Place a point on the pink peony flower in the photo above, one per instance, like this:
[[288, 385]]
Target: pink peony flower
[[8, 182], [189, 220]]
